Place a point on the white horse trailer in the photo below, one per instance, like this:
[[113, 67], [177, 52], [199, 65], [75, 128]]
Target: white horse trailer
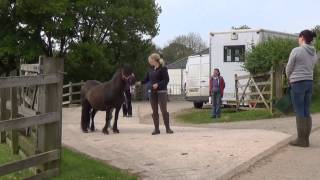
[[227, 53]]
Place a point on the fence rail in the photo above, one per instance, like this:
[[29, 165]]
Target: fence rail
[[40, 112], [72, 92], [175, 89]]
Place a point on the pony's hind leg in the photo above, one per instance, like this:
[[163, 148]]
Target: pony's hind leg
[[85, 115], [115, 124], [93, 114], [110, 118]]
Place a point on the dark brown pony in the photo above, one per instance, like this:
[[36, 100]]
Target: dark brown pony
[[97, 96]]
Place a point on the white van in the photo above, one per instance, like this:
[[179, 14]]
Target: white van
[[227, 53], [197, 79]]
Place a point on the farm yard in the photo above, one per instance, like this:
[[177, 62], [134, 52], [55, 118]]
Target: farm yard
[[159, 90]]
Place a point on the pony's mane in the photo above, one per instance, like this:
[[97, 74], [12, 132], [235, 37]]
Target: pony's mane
[[115, 75]]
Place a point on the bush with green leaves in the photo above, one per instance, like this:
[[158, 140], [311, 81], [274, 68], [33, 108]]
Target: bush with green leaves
[[317, 42], [272, 52]]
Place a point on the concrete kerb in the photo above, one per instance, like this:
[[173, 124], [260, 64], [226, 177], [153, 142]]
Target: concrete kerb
[[246, 165], [273, 150]]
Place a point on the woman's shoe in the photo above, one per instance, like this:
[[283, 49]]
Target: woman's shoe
[[169, 131]]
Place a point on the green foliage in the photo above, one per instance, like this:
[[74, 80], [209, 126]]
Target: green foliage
[[315, 105], [272, 52], [183, 46], [175, 51], [317, 40], [317, 43], [87, 60], [73, 166], [6, 156], [121, 31], [78, 166], [316, 80]]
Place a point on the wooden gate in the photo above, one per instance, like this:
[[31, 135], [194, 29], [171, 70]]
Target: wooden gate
[[42, 149], [251, 93], [71, 93]]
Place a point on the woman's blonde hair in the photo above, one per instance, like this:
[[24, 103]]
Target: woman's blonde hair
[[156, 57]]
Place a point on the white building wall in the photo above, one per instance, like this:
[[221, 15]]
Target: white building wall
[[177, 77]]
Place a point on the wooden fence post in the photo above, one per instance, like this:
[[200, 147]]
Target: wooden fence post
[[50, 100], [2, 114], [5, 94], [271, 89], [70, 93], [278, 81], [237, 91], [14, 114]]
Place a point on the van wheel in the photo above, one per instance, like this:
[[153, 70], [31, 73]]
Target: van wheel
[[198, 105]]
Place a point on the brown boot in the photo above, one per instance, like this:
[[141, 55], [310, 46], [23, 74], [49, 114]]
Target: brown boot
[[302, 130], [155, 118], [167, 123]]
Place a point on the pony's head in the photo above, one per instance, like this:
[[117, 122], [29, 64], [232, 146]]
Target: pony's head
[[126, 71]]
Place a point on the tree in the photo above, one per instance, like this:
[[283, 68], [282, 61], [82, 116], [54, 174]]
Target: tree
[[183, 46], [316, 29], [8, 41], [192, 41], [240, 27], [317, 40], [124, 27], [111, 30], [272, 52], [175, 51]]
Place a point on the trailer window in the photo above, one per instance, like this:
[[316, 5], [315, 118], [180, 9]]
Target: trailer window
[[234, 53]]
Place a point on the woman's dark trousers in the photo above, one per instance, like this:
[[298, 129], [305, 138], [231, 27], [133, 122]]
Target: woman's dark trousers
[[161, 99], [301, 93], [127, 106]]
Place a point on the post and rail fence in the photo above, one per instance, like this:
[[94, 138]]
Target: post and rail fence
[[40, 111], [71, 93]]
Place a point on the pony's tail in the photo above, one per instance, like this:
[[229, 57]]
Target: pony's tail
[[85, 115]]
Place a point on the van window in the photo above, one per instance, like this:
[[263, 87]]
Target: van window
[[234, 53]]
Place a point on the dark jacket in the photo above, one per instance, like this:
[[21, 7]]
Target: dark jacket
[[159, 76]]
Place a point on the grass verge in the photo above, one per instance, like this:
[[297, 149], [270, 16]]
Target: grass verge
[[203, 116], [228, 115], [74, 166]]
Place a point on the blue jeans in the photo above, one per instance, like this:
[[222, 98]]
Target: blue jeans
[[301, 93], [216, 104]]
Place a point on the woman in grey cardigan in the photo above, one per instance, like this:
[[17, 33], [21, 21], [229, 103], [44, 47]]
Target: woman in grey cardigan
[[299, 71]]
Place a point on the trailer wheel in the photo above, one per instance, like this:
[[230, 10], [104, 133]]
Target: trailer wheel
[[198, 105]]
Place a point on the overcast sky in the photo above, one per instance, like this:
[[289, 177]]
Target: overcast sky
[[204, 16]]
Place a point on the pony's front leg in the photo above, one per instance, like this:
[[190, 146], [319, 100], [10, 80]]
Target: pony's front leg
[[105, 129], [115, 124], [93, 114]]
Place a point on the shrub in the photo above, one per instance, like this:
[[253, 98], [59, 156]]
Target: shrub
[[272, 52]]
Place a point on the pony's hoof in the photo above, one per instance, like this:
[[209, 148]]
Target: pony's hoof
[[92, 129], [105, 131], [85, 131], [116, 131]]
